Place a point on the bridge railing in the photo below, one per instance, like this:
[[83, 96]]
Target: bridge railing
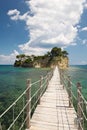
[[76, 99], [18, 114]]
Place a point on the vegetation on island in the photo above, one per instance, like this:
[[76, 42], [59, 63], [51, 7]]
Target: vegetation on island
[[55, 57]]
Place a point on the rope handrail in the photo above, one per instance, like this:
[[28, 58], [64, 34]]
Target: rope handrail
[[82, 97], [18, 99], [18, 116], [68, 88], [74, 95], [79, 93], [70, 81], [45, 83], [78, 90], [38, 97], [39, 80], [12, 105], [37, 91], [81, 111]]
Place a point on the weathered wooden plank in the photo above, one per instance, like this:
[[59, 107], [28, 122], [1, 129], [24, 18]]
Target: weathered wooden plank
[[54, 113]]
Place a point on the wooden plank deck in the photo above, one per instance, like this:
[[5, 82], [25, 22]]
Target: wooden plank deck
[[54, 113]]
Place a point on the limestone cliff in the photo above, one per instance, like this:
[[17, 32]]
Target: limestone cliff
[[64, 63], [51, 59], [61, 62]]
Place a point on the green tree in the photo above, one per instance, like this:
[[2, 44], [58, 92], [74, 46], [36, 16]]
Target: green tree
[[28, 60], [64, 53], [21, 57], [56, 52]]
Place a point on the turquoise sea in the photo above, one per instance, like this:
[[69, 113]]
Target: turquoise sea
[[78, 73], [13, 82], [13, 79]]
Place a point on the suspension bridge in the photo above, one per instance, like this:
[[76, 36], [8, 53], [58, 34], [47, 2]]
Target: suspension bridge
[[50, 107]]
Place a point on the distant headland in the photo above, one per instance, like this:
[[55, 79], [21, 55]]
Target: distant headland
[[55, 57]]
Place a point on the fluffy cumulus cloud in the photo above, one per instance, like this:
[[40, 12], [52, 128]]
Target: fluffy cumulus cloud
[[8, 59], [50, 23]]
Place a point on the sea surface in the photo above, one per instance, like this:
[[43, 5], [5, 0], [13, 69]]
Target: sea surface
[[13, 81], [78, 73]]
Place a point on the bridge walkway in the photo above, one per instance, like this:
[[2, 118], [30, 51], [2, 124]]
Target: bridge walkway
[[53, 113]]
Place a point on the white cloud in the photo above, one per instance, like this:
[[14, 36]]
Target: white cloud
[[83, 62], [32, 50], [84, 29], [52, 23], [85, 5], [14, 14], [8, 59], [84, 42]]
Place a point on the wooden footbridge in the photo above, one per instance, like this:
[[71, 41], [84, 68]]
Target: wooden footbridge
[[50, 107], [54, 112]]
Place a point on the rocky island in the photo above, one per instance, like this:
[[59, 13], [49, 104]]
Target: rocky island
[[55, 57]]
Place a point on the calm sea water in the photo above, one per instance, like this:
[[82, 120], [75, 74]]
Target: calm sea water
[[78, 73], [13, 82]]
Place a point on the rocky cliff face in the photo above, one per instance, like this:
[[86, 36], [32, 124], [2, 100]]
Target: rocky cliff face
[[56, 56], [62, 62]]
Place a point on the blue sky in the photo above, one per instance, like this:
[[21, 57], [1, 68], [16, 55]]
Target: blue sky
[[34, 27]]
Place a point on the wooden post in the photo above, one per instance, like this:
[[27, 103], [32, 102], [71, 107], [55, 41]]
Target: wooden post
[[0, 126], [60, 76], [28, 108], [79, 104], [63, 81], [51, 73], [41, 78], [50, 76], [69, 91], [47, 80]]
